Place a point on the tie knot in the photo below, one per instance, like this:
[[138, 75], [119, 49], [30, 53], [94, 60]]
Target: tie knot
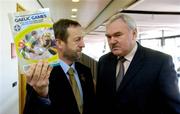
[[71, 71], [122, 59]]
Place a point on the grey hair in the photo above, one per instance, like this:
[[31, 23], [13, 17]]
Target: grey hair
[[127, 19]]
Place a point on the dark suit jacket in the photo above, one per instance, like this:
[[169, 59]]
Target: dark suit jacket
[[61, 94], [150, 85]]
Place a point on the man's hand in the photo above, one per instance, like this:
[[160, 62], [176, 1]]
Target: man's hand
[[38, 77]]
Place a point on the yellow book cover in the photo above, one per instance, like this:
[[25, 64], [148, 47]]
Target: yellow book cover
[[33, 37]]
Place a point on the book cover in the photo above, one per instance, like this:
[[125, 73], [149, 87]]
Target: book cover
[[33, 37]]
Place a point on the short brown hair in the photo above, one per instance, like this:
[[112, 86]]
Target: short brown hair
[[60, 28]]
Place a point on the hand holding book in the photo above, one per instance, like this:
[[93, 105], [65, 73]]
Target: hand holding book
[[38, 77]]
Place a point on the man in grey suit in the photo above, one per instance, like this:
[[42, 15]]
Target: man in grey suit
[[149, 84]]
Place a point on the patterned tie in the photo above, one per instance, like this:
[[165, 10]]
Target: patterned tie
[[75, 89], [121, 72]]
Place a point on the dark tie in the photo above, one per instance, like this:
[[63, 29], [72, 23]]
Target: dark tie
[[75, 88], [121, 72]]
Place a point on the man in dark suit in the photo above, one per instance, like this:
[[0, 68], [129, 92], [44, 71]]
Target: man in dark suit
[[52, 90], [149, 84]]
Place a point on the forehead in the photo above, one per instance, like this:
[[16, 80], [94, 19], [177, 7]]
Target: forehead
[[75, 32], [116, 26], [75, 29]]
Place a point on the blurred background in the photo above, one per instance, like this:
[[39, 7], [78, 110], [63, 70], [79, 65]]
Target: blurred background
[[158, 23]]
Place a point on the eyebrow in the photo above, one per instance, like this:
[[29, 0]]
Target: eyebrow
[[107, 35], [113, 34]]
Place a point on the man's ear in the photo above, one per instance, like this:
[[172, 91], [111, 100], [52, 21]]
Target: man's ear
[[135, 33], [59, 44]]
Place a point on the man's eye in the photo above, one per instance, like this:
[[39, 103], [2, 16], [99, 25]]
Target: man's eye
[[117, 35], [77, 40], [108, 36]]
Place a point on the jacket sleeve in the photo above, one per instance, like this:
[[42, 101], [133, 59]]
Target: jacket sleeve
[[168, 82], [35, 104]]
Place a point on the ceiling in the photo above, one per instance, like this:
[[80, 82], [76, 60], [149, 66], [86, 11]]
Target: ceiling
[[87, 9], [91, 13], [158, 14], [149, 14], [152, 15]]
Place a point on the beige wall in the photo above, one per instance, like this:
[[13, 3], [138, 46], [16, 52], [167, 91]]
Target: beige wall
[[9, 97]]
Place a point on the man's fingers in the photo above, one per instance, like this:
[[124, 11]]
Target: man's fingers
[[44, 79], [48, 72], [44, 71], [29, 73], [37, 72]]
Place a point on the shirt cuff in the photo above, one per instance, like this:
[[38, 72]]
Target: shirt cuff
[[44, 100]]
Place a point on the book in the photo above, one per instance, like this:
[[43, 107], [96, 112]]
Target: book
[[34, 38]]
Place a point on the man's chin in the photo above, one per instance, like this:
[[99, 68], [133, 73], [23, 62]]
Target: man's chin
[[79, 53], [78, 56], [115, 53]]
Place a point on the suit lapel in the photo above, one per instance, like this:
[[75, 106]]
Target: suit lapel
[[82, 79], [81, 75], [60, 77], [134, 67], [109, 72]]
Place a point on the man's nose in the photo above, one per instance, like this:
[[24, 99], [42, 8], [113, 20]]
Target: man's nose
[[112, 40], [82, 43]]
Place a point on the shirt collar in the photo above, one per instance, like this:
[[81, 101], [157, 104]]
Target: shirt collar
[[65, 66], [130, 55]]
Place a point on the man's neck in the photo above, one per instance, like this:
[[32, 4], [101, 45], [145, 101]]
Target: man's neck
[[67, 61]]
